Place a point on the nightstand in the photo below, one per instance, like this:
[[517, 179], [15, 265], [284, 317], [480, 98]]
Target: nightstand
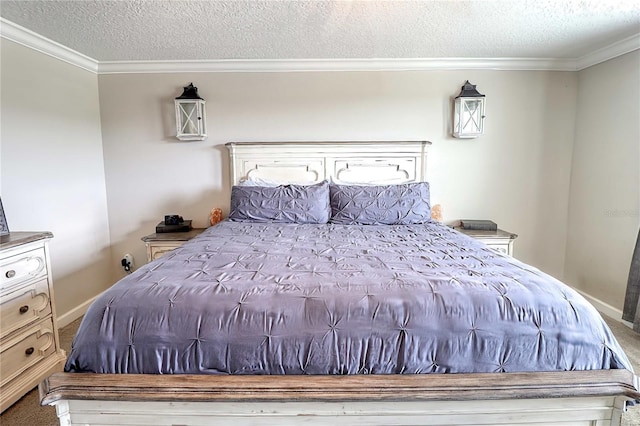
[[160, 243], [501, 241]]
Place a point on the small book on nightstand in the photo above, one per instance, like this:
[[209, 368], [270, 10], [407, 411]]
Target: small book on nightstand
[[479, 225], [180, 227]]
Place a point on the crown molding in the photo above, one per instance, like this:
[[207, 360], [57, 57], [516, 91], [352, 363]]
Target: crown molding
[[28, 38], [35, 41], [310, 65], [614, 50]]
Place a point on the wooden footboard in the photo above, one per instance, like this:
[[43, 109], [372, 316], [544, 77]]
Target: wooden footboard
[[576, 398]]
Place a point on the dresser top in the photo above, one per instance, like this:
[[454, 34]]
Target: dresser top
[[499, 234], [173, 236], [18, 238]]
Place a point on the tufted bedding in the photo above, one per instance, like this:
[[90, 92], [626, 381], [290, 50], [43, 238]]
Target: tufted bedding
[[259, 298]]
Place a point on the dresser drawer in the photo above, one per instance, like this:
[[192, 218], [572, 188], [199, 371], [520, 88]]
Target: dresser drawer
[[26, 350], [22, 267], [501, 248], [28, 304], [159, 244], [159, 250]]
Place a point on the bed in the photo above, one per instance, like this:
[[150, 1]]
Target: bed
[[378, 317]]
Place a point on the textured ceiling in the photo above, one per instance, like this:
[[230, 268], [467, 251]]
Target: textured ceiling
[[192, 30]]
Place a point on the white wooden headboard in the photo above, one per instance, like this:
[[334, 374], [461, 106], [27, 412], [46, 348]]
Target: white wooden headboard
[[346, 162]]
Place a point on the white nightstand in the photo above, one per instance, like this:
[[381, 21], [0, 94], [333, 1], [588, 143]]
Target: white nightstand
[[160, 243], [501, 241]]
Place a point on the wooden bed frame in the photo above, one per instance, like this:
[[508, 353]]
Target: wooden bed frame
[[568, 398]]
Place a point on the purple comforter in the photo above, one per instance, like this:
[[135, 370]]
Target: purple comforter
[[246, 298]]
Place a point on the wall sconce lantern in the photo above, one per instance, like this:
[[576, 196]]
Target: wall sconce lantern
[[190, 115], [468, 115]]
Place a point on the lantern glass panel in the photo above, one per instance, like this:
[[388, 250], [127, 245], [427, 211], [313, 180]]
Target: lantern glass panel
[[471, 115], [188, 118], [468, 117], [202, 124]]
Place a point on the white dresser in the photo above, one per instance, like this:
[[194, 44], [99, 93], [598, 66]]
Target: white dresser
[[29, 343]]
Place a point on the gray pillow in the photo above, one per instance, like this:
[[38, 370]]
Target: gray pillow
[[281, 204], [403, 204]]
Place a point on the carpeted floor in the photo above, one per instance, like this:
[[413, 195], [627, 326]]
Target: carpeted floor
[[28, 412]]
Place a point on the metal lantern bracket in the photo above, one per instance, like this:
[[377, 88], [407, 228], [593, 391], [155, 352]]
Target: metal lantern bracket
[[467, 91], [191, 92]]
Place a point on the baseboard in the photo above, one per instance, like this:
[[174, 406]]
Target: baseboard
[[75, 313], [605, 308]]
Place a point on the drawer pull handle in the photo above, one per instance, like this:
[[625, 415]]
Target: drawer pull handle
[[10, 273], [24, 309], [29, 351]]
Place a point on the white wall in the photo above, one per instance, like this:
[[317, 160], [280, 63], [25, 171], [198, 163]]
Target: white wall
[[516, 174], [604, 209], [55, 128], [52, 170]]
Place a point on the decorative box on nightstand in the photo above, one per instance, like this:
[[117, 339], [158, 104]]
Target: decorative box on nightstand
[[501, 241], [160, 243]]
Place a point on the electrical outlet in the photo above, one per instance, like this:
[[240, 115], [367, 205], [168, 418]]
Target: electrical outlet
[[127, 262]]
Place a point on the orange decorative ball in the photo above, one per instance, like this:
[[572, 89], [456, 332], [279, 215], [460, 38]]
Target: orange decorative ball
[[215, 216], [436, 212]]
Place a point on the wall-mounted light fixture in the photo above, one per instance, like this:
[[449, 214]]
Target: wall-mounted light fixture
[[468, 115], [190, 115]]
